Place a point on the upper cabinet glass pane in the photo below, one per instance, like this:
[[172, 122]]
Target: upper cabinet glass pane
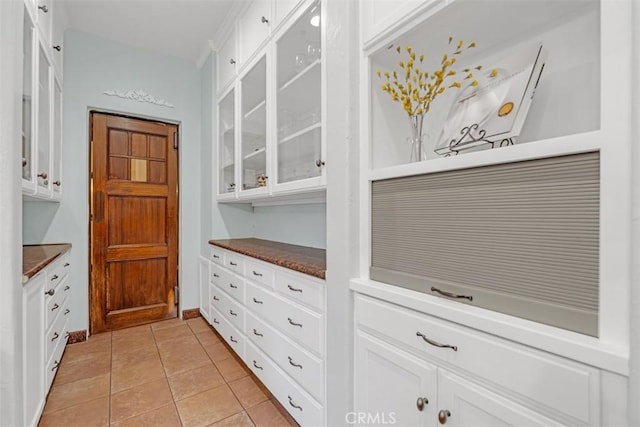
[[27, 97], [226, 144], [298, 99], [44, 121], [254, 127]]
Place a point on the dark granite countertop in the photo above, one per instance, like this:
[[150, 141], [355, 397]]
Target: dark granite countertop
[[311, 261], [37, 257]]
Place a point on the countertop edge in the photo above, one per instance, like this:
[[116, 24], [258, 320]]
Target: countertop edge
[[46, 260]]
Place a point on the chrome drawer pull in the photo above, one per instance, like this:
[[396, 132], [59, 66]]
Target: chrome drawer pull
[[255, 273], [232, 286], [233, 264], [257, 301], [436, 344], [257, 333], [216, 321], [450, 295], [66, 288], [216, 275], [55, 307], [55, 276], [67, 311], [55, 365], [291, 322], [232, 340], [50, 292], [294, 364], [215, 298], [232, 313], [293, 404], [55, 336], [255, 364], [291, 288]]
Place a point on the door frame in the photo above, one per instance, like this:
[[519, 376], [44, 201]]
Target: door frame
[[178, 124]]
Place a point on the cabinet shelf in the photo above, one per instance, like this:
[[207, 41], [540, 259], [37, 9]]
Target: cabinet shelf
[[257, 153], [299, 133], [300, 77], [260, 106]]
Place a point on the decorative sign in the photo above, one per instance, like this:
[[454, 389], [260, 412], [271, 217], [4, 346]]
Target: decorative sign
[[138, 95], [494, 111]]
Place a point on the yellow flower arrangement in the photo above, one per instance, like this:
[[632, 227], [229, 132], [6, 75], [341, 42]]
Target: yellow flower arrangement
[[419, 88]]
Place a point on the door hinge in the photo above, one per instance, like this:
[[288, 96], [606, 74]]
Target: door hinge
[[175, 141], [176, 298]]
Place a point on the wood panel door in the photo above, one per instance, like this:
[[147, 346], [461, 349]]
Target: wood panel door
[[134, 222]]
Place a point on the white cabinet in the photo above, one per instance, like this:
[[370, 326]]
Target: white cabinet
[[273, 318], [253, 28], [279, 149], [45, 332], [281, 10], [41, 108], [468, 377], [227, 61], [203, 283]]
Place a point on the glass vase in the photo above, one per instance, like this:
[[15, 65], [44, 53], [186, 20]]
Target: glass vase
[[418, 152]]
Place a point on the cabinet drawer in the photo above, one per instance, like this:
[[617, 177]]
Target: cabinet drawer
[[54, 303], [234, 312], [233, 285], [52, 365], [217, 255], [218, 298], [306, 369], [302, 289], [561, 384], [215, 274], [231, 335], [299, 323], [302, 407], [234, 263], [260, 273], [55, 334]]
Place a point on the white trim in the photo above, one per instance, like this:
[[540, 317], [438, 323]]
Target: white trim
[[138, 95]]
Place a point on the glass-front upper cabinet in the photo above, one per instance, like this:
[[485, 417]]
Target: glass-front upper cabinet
[[299, 152], [226, 146], [44, 122], [253, 128], [56, 172], [27, 103]]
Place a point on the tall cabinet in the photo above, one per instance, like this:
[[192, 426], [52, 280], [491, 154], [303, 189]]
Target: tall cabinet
[[270, 143], [427, 353], [42, 101]]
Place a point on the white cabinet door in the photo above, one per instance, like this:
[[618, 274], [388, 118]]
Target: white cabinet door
[[56, 155], [43, 164], [253, 28], [29, 61], [57, 31], [462, 403], [44, 19], [203, 282], [33, 310], [227, 59], [391, 386], [281, 9], [227, 146]]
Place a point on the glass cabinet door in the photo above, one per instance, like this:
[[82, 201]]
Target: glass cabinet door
[[226, 145], [298, 97], [44, 121], [253, 127], [27, 99], [56, 173]]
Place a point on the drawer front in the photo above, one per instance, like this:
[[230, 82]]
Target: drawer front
[[56, 356], [58, 270], [217, 298], [233, 285], [234, 263], [217, 255], [55, 334], [54, 303], [561, 384], [302, 407], [304, 290], [306, 369], [235, 313], [231, 335], [215, 273], [299, 323], [259, 273]]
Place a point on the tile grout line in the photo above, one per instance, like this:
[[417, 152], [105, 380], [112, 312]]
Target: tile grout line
[[166, 377]]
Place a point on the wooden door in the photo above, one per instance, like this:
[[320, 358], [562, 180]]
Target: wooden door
[[134, 222]]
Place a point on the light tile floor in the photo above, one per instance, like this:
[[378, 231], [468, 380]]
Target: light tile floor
[[170, 373]]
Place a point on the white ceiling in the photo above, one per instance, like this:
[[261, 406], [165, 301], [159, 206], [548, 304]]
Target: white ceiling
[[179, 28]]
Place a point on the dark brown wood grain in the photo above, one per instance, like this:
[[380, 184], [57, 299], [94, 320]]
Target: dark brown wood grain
[[134, 222], [37, 257]]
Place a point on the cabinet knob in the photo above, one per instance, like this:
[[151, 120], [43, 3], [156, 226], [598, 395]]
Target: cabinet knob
[[264, 20], [50, 292], [421, 403], [24, 162], [43, 175], [44, 8], [319, 163], [443, 415], [232, 61], [57, 183], [57, 47]]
